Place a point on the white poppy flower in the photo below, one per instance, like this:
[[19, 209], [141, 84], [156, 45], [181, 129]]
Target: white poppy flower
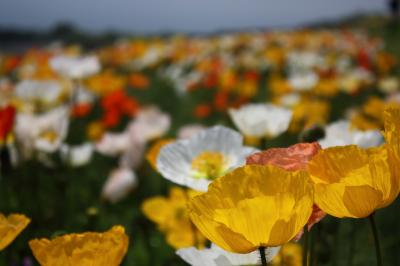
[[290, 100], [45, 92], [215, 256], [340, 134], [150, 123], [300, 61], [389, 85], [354, 78], [133, 156], [44, 132], [119, 184], [77, 155], [303, 81], [195, 162], [190, 130], [113, 144], [131, 144], [75, 67], [261, 120], [150, 58], [127, 145]]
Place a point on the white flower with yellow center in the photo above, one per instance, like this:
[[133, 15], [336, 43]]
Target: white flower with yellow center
[[197, 161], [44, 132], [215, 256], [261, 120], [44, 93]]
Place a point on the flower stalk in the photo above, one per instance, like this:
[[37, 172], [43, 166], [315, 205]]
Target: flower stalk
[[374, 229], [263, 257], [305, 246]]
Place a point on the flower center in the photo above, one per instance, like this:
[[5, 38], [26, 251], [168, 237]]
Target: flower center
[[209, 165], [49, 135]]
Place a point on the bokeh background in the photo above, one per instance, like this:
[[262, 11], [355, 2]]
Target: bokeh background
[[63, 200]]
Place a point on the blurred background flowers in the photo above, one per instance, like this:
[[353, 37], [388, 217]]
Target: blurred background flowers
[[116, 116]]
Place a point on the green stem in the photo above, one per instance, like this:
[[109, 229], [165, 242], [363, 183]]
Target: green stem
[[353, 237], [312, 247], [376, 240], [262, 255], [305, 247]]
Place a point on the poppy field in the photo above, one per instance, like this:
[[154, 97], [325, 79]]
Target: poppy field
[[273, 148]]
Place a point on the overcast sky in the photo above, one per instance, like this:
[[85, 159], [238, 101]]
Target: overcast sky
[[177, 15]]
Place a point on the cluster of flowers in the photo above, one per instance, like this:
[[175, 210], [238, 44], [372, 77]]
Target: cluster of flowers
[[235, 185], [280, 189]]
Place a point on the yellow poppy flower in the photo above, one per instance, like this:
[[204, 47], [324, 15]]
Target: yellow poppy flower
[[170, 214], [309, 112], [327, 87], [289, 255], [11, 227], [253, 206], [392, 137], [95, 130], [105, 82], [100, 249], [352, 182]]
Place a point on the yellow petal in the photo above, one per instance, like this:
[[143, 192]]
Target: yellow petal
[[253, 206], [11, 227], [221, 235], [392, 137], [349, 181], [156, 209], [100, 249]]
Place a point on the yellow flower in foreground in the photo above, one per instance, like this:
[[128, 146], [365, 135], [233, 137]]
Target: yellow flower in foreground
[[352, 182], [11, 227], [100, 249], [289, 255], [253, 206], [170, 214]]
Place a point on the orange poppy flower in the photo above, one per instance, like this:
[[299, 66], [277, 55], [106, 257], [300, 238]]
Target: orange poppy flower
[[139, 81], [202, 110], [81, 110]]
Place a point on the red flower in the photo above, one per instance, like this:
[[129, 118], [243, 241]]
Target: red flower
[[117, 104], [111, 119], [221, 101], [7, 116], [81, 110], [202, 111]]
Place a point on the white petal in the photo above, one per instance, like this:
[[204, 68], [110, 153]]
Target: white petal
[[75, 67], [195, 257], [119, 184], [252, 258], [175, 160], [150, 124], [77, 155], [113, 144], [260, 120], [340, 134]]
